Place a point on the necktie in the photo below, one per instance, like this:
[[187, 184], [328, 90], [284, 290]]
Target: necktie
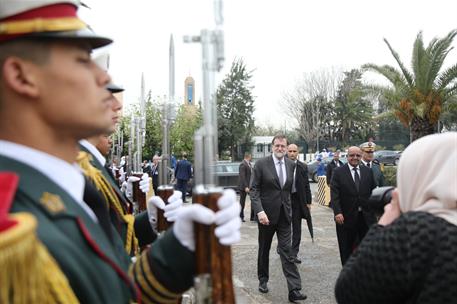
[[368, 164], [95, 201], [356, 178], [281, 176]]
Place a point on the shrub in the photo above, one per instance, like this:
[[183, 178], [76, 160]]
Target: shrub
[[390, 176], [399, 147]]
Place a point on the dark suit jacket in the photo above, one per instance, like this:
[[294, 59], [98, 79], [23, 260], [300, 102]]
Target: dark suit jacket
[[303, 189], [266, 193], [330, 167], [183, 170], [345, 197], [245, 175]]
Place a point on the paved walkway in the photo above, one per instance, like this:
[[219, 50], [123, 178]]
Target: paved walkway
[[319, 268]]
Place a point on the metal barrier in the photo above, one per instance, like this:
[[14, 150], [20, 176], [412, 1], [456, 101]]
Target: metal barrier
[[323, 191]]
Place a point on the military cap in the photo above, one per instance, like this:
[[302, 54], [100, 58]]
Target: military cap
[[102, 60], [45, 19], [114, 88], [368, 146]]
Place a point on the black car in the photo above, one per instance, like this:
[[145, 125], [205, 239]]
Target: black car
[[227, 176], [387, 157], [312, 166]]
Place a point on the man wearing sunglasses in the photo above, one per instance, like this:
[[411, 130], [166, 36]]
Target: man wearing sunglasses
[[350, 187]]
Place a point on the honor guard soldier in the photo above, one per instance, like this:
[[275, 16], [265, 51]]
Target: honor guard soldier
[[135, 231], [369, 161], [52, 95]]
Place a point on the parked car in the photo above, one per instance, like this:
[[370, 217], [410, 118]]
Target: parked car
[[312, 167], [387, 157], [227, 175]]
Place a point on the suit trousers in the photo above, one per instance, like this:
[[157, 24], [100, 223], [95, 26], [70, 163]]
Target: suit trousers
[[289, 268], [296, 224], [181, 185], [350, 237], [242, 203]]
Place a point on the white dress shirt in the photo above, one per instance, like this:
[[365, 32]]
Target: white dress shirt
[[351, 168], [283, 167], [93, 149]]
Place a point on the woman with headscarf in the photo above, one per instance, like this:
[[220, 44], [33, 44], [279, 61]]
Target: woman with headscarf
[[411, 255]]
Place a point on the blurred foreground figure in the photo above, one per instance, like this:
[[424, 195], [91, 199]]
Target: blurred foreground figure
[[411, 255], [52, 94]]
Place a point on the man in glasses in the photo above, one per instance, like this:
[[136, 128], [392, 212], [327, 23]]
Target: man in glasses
[[351, 186]]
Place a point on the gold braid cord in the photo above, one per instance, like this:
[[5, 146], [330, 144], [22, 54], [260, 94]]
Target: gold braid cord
[[103, 185], [29, 274]]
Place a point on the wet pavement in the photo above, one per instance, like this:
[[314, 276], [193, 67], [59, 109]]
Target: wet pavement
[[319, 268]]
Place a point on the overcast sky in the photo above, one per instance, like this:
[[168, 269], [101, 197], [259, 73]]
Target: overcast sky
[[278, 40]]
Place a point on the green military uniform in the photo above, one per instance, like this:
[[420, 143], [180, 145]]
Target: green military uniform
[[95, 266], [378, 175], [141, 227], [80, 238]]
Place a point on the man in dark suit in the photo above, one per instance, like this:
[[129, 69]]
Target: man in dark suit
[[183, 173], [155, 173], [270, 196], [245, 170], [335, 163], [351, 187], [301, 199]]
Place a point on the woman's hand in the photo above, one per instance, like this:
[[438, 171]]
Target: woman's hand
[[391, 211]]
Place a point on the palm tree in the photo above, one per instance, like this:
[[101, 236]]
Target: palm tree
[[418, 97]]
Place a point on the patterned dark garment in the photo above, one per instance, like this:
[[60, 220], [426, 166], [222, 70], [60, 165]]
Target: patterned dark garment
[[413, 260]]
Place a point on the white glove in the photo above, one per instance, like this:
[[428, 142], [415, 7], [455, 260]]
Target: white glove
[[227, 220], [144, 183], [183, 228], [126, 187], [122, 175], [171, 210]]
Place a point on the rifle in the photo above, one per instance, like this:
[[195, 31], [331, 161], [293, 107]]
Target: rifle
[[137, 131], [213, 282], [165, 190]]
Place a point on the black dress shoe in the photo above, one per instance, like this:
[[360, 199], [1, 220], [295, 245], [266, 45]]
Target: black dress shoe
[[296, 295], [243, 220], [263, 288]]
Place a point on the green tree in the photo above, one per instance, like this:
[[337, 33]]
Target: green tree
[[235, 110], [353, 111], [188, 120], [418, 97], [154, 132]]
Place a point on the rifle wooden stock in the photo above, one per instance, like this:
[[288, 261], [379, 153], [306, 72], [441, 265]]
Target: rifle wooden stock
[[138, 196], [164, 192], [212, 257]]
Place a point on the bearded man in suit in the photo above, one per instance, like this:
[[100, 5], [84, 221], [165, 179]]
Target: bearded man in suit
[[270, 196]]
